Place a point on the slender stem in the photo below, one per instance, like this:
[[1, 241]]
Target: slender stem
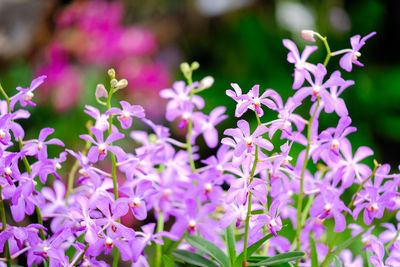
[[79, 257], [388, 245], [328, 49], [71, 174], [246, 229], [299, 225], [6, 98], [190, 128], [160, 228], [71, 177], [114, 167]]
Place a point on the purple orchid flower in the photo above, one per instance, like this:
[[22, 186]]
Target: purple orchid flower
[[206, 125], [145, 237], [328, 205], [350, 58], [101, 119], [318, 88], [38, 147], [272, 220], [25, 95], [99, 151], [126, 113], [244, 141], [252, 100], [301, 66]]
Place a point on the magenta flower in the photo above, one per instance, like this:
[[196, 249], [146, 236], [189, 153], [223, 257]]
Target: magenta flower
[[318, 87], [350, 58], [301, 66], [206, 125], [99, 151], [272, 219], [252, 100], [328, 205], [244, 141], [39, 147], [25, 95], [126, 113]]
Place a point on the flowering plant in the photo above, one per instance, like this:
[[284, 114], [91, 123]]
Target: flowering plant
[[247, 205]]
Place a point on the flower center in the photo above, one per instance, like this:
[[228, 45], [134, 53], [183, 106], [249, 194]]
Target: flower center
[[249, 142], [136, 202], [28, 96], [315, 91], [328, 207], [373, 207], [124, 116], [356, 55], [2, 134], [7, 171], [192, 225], [207, 188], [109, 243], [335, 144], [40, 145], [102, 149]]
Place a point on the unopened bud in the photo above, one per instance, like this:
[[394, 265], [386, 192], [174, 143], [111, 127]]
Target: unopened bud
[[206, 82], [121, 84], [195, 65], [111, 73], [308, 35], [185, 68], [113, 82], [101, 92]]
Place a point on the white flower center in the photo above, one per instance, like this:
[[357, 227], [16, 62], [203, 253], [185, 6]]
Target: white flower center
[[102, 149], [28, 96]]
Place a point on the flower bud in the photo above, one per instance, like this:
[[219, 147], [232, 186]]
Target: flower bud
[[206, 82], [308, 35], [113, 82], [195, 65], [185, 68], [121, 84], [111, 73], [101, 91]]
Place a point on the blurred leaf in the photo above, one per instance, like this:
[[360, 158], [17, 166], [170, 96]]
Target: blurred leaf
[[193, 258], [250, 250], [208, 248], [231, 244], [281, 258]]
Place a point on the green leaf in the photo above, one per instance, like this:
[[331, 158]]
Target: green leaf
[[250, 250], [256, 258], [167, 261], [231, 244], [314, 256], [281, 258], [193, 258], [342, 246], [208, 248], [336, 262]]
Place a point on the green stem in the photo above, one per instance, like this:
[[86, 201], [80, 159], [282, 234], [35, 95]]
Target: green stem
[[71, 175], [160, 228], [6, 98], [388, 245], [300, 198], [114, 167], [246, 229], [328, 49], [190, 128]]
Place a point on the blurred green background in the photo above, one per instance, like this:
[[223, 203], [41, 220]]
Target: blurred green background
[[233, 40]]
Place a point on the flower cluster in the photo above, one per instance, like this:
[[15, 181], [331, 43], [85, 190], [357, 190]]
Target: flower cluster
[[251, 188], [103, 41]]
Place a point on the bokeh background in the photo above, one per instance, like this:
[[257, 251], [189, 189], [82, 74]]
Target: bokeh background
[[75, 42]]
